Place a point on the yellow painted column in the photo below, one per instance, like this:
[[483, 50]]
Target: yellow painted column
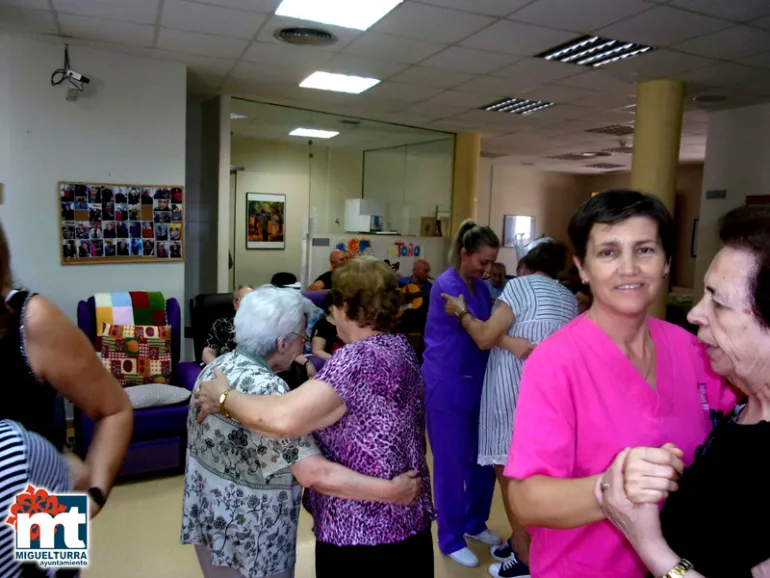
[[657, 134], [465, 180]]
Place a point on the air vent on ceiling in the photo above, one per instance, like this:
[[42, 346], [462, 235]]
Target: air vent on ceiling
[[605, 166], [517, 106], [593, 51], [624, 150], [568, 157], [488, 155], [350, 122], [305, 36], [614, 129]]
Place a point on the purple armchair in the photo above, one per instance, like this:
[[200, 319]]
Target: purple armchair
[[159, 439]]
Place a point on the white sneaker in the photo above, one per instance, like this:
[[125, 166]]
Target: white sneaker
[[464, 557], [486, 537]]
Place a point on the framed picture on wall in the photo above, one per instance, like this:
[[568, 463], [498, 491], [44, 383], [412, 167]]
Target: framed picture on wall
[[265, 221], [518, 230]]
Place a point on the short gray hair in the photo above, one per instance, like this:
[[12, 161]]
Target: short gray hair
[[238, 289], [267, 314]]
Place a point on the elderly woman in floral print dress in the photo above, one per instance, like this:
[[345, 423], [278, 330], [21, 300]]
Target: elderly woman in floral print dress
[[242, 490]]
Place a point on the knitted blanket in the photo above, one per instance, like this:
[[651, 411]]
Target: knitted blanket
[[130, 308]]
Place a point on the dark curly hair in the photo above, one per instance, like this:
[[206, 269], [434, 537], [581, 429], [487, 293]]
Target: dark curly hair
[[549, 258], [367, 289], [748, 228]]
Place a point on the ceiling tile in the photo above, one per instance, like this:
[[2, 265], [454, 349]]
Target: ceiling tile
[[136, 11], [382, 104], [466, 60], [205, 81], [31, 4], [730, 44], [595, 79], [463, 99], [557, 93], [268, 74], [432, 77], [434, 110], [193, 17], [344, 35], [23, 20], [762, 23], [758, 60], [582, 16], [659, 63], [718, 75], [516, 38], [288, 55], [203, 44], [608, 100], [489, 7], [397, 48], [107, 30], [539, 70], [201, 65], [266, 6], [740, 10], [492, 85], [401, 91], [254, 89], [368, 67], [431, 23], [662, 26]]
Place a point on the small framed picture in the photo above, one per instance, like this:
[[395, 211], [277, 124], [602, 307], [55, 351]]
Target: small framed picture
[[265, 221]]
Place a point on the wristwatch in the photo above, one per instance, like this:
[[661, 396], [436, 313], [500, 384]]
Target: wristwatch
[[679, 570], [97, 496], [222, 400]]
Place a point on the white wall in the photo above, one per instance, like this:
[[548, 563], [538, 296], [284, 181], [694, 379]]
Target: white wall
[[410, 182], [317, 187], [551, 198], [131, 129], [737, 153]]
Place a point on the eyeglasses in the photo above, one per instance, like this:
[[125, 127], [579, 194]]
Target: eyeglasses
[[303, 338]]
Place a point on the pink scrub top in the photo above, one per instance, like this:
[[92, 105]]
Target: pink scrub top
[[581, 402]]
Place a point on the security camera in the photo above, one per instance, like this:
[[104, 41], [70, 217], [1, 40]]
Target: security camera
[[77, 77]]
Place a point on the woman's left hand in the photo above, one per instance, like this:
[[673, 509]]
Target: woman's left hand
[[639, 523], [454, 305], [207, 396]]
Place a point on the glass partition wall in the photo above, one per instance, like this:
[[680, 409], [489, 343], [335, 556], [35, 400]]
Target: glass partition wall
[[298, 196]]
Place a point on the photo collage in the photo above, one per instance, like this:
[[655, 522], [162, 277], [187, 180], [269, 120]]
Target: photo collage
[[106, 221]]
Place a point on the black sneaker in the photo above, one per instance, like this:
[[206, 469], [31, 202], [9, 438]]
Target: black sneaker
[[511, 568], [502, 552]]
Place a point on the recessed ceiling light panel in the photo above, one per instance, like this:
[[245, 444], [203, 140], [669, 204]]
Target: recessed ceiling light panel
[[313, 133], [594, 51], [613, 129], [517, 106], [339, 82], [356, 14]]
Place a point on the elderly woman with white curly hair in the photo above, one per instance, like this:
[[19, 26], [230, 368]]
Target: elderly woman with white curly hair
[[242, 489]]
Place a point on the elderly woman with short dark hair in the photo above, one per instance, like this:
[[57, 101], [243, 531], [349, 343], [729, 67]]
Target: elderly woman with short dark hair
[[714, 525], [242, 489], [366, 407]]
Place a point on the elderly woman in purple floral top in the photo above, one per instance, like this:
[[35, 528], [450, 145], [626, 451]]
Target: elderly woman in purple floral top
[[366, 407]]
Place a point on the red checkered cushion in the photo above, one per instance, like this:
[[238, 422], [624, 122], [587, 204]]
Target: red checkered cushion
[[137, 354]]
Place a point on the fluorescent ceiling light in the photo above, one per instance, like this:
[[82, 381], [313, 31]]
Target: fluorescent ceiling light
[[517, 106], [338, 82], [313, 133], [594, 51], [357, 14], [237, 116]]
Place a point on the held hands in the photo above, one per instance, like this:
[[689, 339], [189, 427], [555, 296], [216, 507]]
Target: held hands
[[207, 396], [522, 348], [406, 488], [649, 474], [80, 473], [454, 305]]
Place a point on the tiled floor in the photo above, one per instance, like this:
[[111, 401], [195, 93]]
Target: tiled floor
[[137, 536]]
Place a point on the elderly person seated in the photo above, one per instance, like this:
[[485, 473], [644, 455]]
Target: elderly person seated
[[242, 489], [221, 337], [366, 406], [712, 523], [337, 258]]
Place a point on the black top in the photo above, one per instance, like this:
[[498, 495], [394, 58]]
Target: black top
[[328, 332], [26, 400], [222, 336], [717, 518], [326, 279]]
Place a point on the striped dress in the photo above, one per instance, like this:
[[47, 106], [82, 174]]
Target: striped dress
[[541, 305], [25, 458]]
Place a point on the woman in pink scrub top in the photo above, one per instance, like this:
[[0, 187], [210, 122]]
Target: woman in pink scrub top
[[612, 379]]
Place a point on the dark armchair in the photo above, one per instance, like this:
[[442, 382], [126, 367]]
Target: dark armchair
[[159, 438]]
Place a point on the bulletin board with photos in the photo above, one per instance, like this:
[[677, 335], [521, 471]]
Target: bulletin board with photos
[[109, 223]]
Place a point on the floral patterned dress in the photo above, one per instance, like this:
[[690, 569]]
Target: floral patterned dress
[[240, 498]]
